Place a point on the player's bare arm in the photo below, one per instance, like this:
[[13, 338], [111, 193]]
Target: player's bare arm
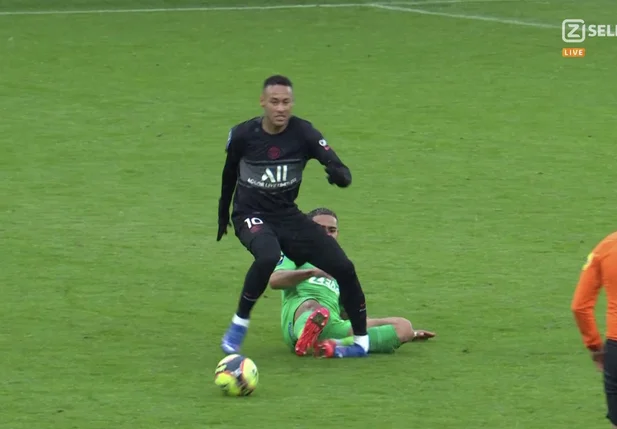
[[284, 279]]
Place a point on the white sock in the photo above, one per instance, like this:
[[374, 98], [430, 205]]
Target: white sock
[[240, 321], [361, 340]]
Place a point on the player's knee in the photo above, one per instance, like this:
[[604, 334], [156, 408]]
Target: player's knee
[[267, 261], [345, 270], [404, 330]]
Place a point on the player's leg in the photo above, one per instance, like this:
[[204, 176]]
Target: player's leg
[[339, 331], [288, 319], [386, 338], [310, 243], [310, 320], [263, 244], [403, 327], [610, 380], [383, 338]]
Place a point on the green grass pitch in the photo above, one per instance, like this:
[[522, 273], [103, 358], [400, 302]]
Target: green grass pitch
[[484, 172]]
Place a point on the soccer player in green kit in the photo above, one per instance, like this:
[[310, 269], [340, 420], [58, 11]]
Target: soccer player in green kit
[[311, 315]]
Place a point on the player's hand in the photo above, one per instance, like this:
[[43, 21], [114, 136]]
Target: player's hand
[[222, 229], [598, 359], [319, 273], [223, 219], [338, 175], [421, 335]]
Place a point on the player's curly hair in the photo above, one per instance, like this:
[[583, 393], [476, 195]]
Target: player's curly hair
[[322, 211]]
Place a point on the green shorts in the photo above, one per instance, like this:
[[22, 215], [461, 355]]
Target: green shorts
[[336, 328], [288, 313]]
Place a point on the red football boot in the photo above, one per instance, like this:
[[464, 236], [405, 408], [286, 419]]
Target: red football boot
[[314, 326], [325, 349]]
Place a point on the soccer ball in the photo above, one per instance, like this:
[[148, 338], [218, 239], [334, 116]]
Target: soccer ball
[[236, 375]]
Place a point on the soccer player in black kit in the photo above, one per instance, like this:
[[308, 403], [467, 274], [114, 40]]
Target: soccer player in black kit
[[266, 157]]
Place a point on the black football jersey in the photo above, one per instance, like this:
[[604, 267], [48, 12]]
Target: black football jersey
[[265, 170]]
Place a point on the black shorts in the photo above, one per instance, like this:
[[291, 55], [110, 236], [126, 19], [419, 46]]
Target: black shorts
[[298, 236], [610, 379]]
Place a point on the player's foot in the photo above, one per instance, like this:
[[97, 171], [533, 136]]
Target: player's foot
[[350, 351], [329, 349], [324, 349], [314, 326], [233, 338]]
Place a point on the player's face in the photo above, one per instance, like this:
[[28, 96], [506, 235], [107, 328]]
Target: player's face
[[329, 223], [277, 102]]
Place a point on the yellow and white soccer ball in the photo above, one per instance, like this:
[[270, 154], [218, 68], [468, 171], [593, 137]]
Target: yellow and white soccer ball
[[236, 375]]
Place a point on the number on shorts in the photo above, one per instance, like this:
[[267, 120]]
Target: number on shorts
[[252, 221]]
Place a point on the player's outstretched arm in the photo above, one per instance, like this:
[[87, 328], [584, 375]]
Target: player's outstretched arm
[[338, 173], [228, 182], [284, 279]]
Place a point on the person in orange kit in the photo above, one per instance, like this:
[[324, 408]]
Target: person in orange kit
[[599, 271]]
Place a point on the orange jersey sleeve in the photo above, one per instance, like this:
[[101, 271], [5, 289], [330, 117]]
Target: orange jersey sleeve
[[585, 299]]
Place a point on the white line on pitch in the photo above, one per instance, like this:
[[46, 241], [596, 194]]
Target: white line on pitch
[[238, 8], [463, 16], [179, 9]]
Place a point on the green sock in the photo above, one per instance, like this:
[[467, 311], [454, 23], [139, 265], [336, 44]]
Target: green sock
[[382, 339], [345, 342]]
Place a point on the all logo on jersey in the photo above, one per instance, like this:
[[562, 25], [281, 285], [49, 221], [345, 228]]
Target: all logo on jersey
[[275, 175], [323, 143]]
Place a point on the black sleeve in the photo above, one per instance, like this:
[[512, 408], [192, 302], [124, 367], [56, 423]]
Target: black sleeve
[[230, 171], [319, 149]]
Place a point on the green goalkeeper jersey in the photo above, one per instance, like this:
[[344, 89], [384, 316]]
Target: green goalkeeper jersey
[[320, 289]]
